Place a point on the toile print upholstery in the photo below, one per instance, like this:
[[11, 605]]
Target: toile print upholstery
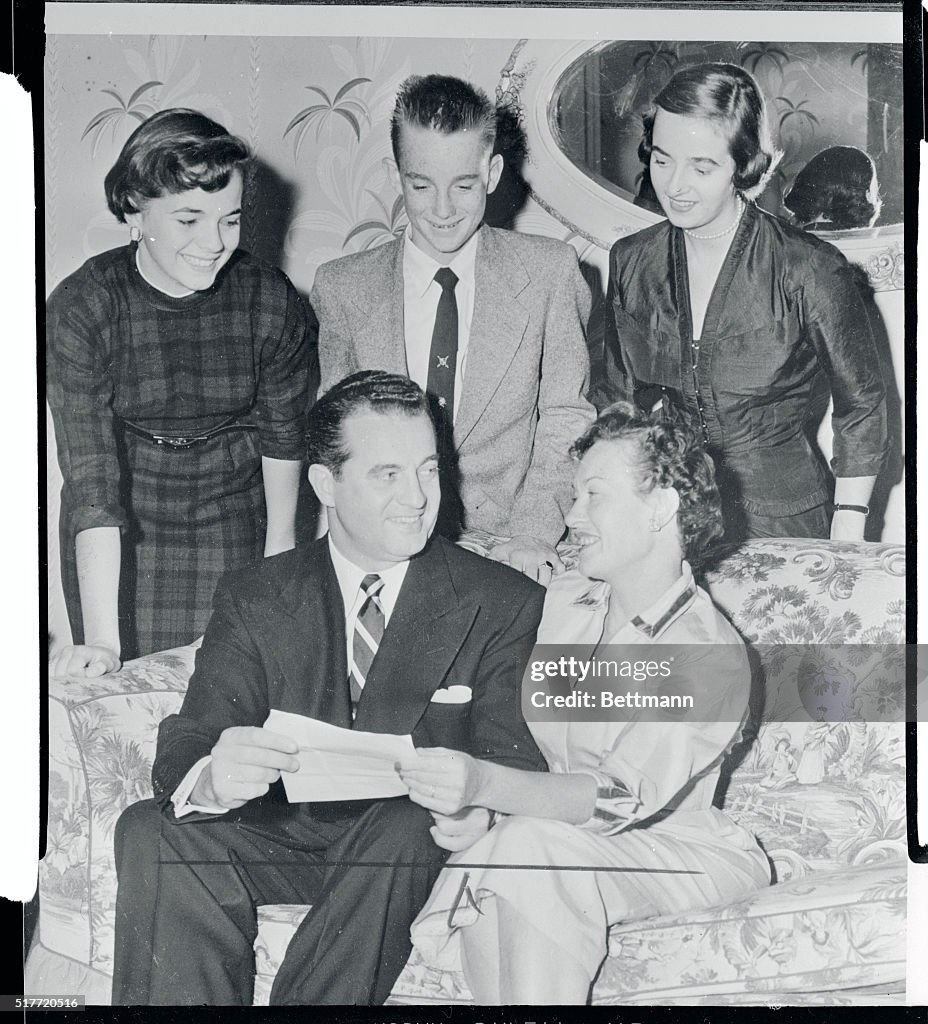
[[826, 800]]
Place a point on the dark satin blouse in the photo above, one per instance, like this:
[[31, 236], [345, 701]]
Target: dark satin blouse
[[788, 321]]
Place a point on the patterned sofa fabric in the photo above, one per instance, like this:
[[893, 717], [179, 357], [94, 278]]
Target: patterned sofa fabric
[[822, 793], [101, 741], [825, 798], [835, 930]]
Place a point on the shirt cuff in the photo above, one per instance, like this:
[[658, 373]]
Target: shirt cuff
[[182, 793]]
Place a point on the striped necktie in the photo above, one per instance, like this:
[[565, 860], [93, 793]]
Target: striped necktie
[[368, 632]]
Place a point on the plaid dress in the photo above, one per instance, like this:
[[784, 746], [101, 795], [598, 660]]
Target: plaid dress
[[119, 349]]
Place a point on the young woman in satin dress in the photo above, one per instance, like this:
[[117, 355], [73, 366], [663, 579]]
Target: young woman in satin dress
[[745, 321]]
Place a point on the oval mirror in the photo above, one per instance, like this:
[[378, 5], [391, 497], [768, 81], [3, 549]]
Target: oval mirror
[[820, 95]]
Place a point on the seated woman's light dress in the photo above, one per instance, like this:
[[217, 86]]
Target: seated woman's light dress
[[656, 782]]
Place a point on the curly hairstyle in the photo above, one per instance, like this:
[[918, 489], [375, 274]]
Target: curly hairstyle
[[171, 152], [839, 184], [444, 104], [367, 390], [670, 454], [729, 97]]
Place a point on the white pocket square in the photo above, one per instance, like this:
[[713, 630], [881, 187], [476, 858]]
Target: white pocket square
[[452, 695]]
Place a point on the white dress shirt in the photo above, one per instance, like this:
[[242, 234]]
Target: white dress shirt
[[421, 293], [349, 578], [349, 583]]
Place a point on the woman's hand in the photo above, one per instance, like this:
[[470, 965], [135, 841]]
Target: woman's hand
[[84, 661], [442, 780], [536, 559], [459, 831]]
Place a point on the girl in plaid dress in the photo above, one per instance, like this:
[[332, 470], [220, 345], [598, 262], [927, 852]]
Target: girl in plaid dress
[[177, 379]]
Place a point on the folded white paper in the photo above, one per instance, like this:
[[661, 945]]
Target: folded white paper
[[340, 764], [456, 694]]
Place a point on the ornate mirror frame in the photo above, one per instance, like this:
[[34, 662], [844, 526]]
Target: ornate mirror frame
[[600, 215]]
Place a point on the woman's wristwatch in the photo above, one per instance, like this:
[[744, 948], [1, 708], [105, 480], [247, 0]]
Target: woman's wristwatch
[[864, 510]]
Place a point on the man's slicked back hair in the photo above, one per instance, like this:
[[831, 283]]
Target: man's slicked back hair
[[368, 390], [444, 104]]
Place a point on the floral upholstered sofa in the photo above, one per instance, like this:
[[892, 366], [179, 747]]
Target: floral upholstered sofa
[[826, 799]]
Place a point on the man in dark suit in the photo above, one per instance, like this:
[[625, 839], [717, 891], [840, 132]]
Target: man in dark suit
[[370, 627]]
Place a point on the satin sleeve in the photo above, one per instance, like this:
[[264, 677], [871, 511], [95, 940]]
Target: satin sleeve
[[840, 321]]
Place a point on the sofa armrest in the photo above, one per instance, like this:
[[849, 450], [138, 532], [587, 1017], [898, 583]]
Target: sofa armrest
[[164, 670], [101, 743]]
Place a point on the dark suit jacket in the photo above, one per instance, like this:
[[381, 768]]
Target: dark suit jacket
[[277, 640]]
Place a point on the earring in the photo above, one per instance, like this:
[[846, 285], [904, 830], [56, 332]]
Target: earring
[[654, 525], [135, 235]]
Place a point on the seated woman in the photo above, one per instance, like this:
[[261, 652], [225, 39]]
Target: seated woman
[[623, 799], [178, 381], [837, 189]]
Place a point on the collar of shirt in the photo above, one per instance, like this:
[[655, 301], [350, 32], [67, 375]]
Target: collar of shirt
[[349, 583], [573, 590], [668, 607], [419, 268]]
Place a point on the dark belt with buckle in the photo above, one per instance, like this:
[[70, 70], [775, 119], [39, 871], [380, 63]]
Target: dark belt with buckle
[[179, 442]]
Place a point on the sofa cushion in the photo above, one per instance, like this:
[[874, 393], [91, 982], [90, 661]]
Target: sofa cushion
[[834, 930], [830, 930]]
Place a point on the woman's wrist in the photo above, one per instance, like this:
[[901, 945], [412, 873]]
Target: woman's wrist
[[483, 775], [107, 644], [847, 525]]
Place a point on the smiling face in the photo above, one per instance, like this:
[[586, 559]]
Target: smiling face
[[611, 518], [445, 178], [188, 237], [691, 171], [383, 502]]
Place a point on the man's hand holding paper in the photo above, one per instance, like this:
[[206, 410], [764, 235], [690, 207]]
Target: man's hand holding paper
[[244, 763]]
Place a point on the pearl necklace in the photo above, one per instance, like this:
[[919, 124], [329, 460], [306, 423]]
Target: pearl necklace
[[721, 234]]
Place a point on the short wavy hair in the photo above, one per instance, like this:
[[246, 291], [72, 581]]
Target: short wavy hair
[[838, 184], [728, 97], [367, 390], [670, 454], [171, 152], [444, 104]]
